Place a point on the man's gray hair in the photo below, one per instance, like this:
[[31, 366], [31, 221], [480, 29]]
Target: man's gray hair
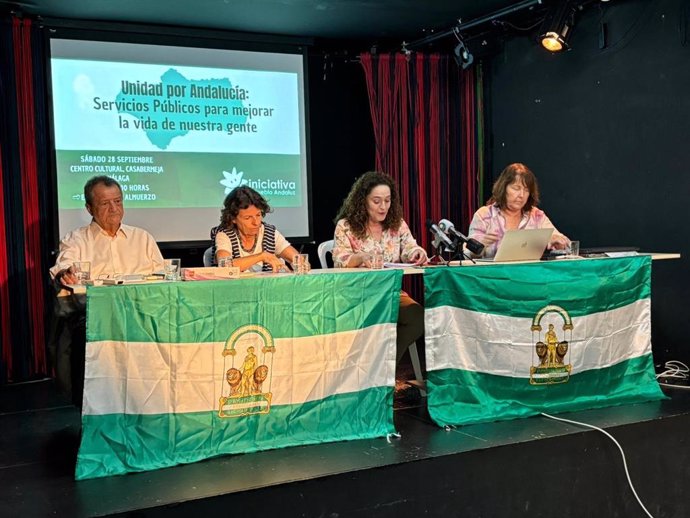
[[93, 182]]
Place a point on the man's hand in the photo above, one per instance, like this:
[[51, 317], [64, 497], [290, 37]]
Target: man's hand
[[66, 276]]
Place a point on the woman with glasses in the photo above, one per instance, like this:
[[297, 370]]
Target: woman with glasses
[[513, 205]]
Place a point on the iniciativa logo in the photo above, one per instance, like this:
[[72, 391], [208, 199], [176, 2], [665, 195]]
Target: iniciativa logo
[[264, 186], [232, 179]]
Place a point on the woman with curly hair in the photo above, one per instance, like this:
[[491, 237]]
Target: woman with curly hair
[[370, 222], [245, 238]]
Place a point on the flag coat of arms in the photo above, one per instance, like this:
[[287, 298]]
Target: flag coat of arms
[[179, 372], [506, 341]]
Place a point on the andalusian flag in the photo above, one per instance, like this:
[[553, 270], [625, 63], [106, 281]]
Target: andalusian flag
[[513, 340], [179, 372]]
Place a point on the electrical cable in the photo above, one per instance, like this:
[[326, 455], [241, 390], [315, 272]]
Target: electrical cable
[[675, 387], [674, 370], [625, 464], [502, 23], [392, 435]]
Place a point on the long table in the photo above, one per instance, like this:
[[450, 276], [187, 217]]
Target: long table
[[178, 372]]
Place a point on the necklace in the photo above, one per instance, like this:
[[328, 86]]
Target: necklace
[[252, 248]]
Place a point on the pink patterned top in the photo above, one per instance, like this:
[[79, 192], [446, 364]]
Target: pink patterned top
[[396, 245], [489, 220]]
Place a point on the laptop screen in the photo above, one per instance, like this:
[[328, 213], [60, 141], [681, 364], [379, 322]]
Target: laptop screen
[[523, 244]]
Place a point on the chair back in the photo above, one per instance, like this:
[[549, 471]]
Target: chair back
[[323, 249], [208, 256]]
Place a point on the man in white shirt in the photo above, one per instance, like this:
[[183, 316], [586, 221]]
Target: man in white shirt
[[110, 246]]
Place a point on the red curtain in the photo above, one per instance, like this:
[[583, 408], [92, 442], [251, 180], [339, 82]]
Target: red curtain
[[4, 284], [23, 271], [29, 186], [426, 114]]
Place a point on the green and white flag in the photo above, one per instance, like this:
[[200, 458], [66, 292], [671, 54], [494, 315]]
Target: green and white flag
[[179, 372], [513, 340]]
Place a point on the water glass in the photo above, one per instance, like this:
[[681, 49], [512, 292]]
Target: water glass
[[376, 261], [82, 271], [300, 264], [225, 262], [178, 268], [574, 249], [170, 267]]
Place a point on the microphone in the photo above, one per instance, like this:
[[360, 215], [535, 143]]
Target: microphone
[[440, 238], [473, 245]]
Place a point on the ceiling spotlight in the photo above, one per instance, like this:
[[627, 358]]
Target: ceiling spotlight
[[557, 26], [462, 56]]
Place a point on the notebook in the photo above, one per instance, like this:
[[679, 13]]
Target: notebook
[[522, 245]]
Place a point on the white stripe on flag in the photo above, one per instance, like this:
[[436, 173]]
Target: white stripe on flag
[[501, 345], [146, 378]]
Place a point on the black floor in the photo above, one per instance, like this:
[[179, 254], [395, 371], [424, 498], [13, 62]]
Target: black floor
[[530, 467]]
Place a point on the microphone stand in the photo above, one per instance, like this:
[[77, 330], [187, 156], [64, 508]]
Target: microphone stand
[[439, 254], [440, 246], [460, 251], [452, 242]]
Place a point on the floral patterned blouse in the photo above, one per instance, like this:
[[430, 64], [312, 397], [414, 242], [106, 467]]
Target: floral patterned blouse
[[396, 245]]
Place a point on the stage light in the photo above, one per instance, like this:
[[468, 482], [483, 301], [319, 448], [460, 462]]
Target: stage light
[[462, 56], [557, 26]]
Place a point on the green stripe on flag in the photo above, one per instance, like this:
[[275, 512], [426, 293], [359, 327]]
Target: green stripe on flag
[[208, 311], [120, 443], [520, 290], [459, 397]]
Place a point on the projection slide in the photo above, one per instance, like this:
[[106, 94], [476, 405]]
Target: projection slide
[[179, 128]]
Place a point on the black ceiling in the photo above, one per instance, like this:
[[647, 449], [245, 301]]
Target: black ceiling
[[368, 20]]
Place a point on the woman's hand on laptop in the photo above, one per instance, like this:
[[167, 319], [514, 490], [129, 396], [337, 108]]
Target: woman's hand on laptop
[[559, 242], [489, 239]]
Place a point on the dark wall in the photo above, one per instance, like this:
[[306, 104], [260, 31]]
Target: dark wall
[[606, 133], [342, 136]]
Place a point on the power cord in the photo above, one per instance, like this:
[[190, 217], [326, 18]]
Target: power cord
[[674, 370], [625, 464]]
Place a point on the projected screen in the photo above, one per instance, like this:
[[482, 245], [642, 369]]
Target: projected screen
[[179, 128]]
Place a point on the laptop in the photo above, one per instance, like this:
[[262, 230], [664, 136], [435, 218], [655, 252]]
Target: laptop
[[522, 245]]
